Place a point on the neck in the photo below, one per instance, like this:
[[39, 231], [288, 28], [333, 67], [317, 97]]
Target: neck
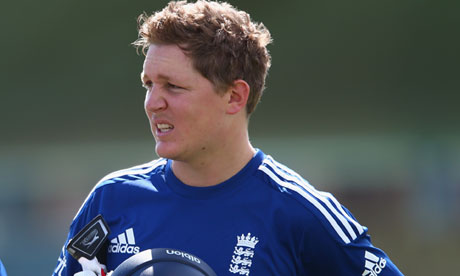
[[216, 166]]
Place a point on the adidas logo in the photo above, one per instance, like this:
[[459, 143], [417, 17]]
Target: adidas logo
[[124, 243], [374, 265]]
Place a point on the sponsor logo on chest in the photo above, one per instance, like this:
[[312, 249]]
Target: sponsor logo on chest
[[125, 243]]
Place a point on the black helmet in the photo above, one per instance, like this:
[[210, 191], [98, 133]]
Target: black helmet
[[163, 262]]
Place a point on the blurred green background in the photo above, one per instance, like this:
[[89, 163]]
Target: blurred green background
[[362, 100]]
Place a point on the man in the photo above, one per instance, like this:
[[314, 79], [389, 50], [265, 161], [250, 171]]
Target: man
[[212, 193]]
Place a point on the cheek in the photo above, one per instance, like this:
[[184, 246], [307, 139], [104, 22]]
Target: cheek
[[201, 117], [146, 103], [195, 123], [207, 124]]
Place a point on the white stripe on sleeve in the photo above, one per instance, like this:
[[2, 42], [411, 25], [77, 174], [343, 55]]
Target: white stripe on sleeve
[[290, 175], [313, 201]]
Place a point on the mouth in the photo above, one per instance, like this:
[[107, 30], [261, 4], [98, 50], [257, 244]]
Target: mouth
[[164, 128]]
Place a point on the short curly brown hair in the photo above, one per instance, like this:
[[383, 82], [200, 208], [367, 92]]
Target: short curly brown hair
[[223, 42]]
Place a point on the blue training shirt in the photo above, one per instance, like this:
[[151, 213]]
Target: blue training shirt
[[265, 220]]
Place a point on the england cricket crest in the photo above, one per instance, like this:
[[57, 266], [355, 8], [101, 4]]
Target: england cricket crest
[[243, 254]]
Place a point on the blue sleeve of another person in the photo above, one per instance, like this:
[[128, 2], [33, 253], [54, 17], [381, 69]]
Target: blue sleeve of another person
[[2, 269]]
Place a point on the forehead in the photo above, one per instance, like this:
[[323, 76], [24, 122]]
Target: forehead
[[166, 59]]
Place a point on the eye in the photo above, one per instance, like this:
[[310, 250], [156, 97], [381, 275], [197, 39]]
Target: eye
[[147, 84], [173, 86]]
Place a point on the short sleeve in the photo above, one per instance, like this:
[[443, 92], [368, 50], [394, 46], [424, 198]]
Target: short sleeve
[[67, 265], [324, 254]]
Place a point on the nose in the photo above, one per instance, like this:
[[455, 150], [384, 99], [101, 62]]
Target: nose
[[155, 100]]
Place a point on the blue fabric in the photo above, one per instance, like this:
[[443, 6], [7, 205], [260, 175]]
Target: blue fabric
[[2, 269], [265, 220]]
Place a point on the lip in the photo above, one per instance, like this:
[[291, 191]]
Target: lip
[[158, 132]]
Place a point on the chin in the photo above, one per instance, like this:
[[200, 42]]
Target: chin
[[166, 152]]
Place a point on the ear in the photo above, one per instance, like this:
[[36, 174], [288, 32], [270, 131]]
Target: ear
[[238, 97]]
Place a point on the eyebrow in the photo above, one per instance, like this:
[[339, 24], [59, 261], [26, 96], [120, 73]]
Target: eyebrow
[[160, 76]]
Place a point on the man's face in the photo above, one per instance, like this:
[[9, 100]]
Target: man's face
[[187, 116]]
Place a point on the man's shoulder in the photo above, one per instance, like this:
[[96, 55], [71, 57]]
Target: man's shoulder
[[290, 188], [322, 206], [282, 179], [135, 174], [119, 182]]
